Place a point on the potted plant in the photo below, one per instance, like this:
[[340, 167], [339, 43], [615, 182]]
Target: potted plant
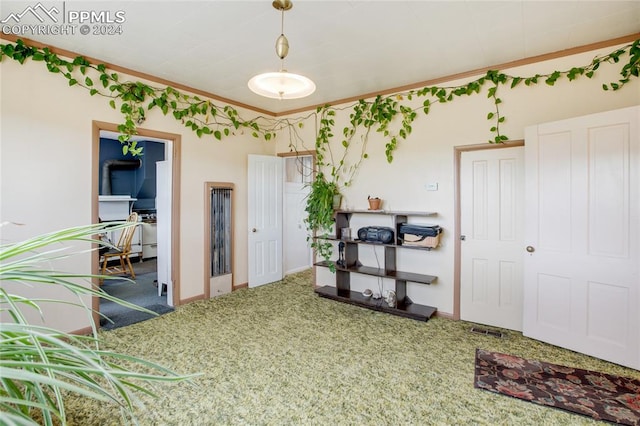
[[374, 203]]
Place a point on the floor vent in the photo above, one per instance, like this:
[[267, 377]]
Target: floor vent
[[488, 332]]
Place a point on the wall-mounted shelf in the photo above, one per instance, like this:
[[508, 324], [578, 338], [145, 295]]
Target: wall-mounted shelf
[[343, 293], [352, 240], [378, 272], [411, 310]]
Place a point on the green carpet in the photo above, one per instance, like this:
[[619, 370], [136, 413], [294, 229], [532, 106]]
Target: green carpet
[[279, 354]]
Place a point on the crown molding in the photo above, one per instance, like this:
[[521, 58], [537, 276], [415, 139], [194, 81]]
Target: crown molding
[[520, 62]]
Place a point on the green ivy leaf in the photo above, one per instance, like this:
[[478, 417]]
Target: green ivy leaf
[[551, 80]]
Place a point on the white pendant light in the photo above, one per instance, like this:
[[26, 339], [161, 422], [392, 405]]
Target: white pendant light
[[282, 84]]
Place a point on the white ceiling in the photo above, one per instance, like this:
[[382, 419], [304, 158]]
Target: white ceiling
[[348, 48]]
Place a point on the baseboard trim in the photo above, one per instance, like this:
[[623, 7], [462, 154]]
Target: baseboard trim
[[445, 315], [239, 286], [87, 331], [191, 299], [296, 270]]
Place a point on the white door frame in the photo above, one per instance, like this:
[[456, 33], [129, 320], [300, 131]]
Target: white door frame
[[457, 264], [176, 141]]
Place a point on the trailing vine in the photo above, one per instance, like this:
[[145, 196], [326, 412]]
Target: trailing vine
[[380, 113], [135, 99], [390, 116]]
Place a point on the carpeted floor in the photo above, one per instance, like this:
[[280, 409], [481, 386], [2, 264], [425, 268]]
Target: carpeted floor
[[281, 355]]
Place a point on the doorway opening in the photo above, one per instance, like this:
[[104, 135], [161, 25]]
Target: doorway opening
[[148, 188]]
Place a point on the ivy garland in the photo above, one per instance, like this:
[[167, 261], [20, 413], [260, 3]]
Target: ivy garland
[[379, 113], [204, 117], [386, 115], [135, 99]]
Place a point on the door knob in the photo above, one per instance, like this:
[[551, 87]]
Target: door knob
[[463, 237], [530, 249], [254, 230]]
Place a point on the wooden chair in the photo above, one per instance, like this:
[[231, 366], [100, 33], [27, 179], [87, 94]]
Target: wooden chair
[[122, 251]]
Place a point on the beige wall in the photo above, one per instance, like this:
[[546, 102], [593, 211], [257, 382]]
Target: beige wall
[[45, 164], [428, 157], [45, 171]]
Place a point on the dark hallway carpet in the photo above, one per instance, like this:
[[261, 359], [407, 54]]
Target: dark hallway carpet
[[143, 292], [131, 316]]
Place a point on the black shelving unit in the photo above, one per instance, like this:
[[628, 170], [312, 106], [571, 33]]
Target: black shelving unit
[[342, 291]]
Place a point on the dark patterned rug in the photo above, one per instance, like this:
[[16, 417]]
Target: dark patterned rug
[[601, 396]]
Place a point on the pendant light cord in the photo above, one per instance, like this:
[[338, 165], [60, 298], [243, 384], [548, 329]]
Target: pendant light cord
[[282, 34]]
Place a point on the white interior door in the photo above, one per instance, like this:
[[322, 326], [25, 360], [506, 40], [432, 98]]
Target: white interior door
[[265, 219], [492, 223], [163, 209], [582, 227]]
